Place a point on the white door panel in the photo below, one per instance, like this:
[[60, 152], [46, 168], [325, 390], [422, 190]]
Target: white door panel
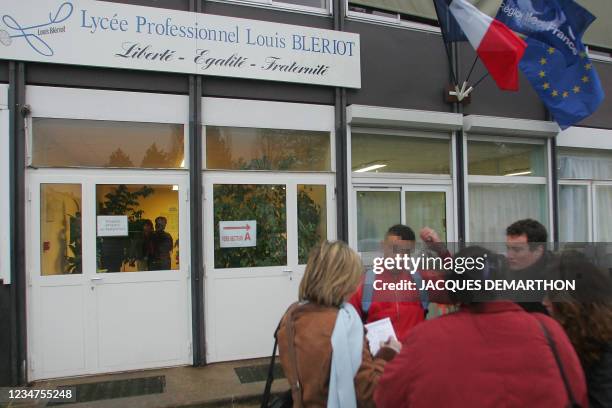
[[244, 304], [94, 322]]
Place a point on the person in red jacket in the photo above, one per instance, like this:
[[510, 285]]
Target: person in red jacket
[[405, 309], [489, 354]]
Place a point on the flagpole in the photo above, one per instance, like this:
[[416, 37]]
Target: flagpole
[[472, 68], [448, 56]]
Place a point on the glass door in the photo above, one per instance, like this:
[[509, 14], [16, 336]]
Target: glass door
[[429, 206], [259, 229], [109, 290]]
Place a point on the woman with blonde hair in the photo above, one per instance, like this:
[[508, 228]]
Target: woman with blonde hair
[[321, 339]]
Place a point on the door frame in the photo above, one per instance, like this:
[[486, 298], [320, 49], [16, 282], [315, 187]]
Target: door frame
[[211, 274], [88, 179]]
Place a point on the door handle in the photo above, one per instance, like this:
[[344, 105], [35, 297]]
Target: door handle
[[97, 279], [288, 270]]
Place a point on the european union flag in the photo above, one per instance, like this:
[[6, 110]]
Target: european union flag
[[570, 93], [558, 23]]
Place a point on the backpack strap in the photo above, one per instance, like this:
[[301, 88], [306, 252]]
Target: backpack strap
[[416, 277], [368, 291], [553, 348]]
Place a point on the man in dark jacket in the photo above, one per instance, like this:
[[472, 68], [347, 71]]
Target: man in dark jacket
[[527, 258]]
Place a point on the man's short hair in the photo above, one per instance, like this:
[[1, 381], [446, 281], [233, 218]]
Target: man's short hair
[[164, 219], [534, 230], [403, 231]]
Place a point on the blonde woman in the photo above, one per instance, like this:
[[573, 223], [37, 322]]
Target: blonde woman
[[321, 339]]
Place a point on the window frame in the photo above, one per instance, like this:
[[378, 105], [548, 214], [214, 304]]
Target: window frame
[[5, 190], [115, 106], [268, 115], [367, 177], [545, 180], [396, 21]]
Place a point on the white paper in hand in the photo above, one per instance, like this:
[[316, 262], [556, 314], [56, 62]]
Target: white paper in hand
[[378, 331]]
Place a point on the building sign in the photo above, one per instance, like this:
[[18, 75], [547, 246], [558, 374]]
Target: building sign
[[112, 225], [237, 234], [103, 34]]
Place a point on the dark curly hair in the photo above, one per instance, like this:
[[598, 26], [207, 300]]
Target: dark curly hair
[[586, 313]]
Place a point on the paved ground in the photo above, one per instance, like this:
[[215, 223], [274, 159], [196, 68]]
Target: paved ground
[[215, 385]]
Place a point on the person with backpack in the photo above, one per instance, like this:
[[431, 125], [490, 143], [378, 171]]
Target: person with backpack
[[405, 309]]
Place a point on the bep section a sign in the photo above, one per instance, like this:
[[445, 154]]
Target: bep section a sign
[[237, 234], [104, 34]]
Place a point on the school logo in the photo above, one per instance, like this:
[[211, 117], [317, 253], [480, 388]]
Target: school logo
[[33, 34]]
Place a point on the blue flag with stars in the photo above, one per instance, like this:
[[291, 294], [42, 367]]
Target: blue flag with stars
[[571, 93]]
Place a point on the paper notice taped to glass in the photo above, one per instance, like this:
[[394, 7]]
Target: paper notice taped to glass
[[379, 331]]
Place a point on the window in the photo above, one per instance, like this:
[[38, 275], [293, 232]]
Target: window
[[574, 213], [311, 218], [235, 148], [507, 181], [304, 5], [584, 164], [262, 208], [395, 12], [137, 227], [60, 229], [506, 159], [376, 212], [585, 194], [97, 143], [385, 153]]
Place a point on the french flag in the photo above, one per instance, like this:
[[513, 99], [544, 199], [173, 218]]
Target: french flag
[[499, 49]]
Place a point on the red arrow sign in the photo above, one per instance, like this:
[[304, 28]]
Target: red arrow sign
[[246, 227]]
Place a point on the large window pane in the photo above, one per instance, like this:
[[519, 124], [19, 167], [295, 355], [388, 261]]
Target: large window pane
[[573, 213], [426, 209], [376, 212], [374, 153], [234, 148], [603, 195], [493, 207], [97, 143], [60, 229], [506, 159], [137, 227], [312, 218], [589, 164], [262, 208]]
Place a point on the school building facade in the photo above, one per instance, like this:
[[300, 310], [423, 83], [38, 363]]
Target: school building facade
[[244, 174]]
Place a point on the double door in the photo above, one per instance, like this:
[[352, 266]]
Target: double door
[[108, 280], [259, 229]]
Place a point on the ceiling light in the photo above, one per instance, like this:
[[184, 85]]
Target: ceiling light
[[370, 168], [520, 173]]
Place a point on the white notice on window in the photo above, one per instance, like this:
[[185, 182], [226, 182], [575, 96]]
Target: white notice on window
[[112, 225], [238, 234], [378, 331]]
